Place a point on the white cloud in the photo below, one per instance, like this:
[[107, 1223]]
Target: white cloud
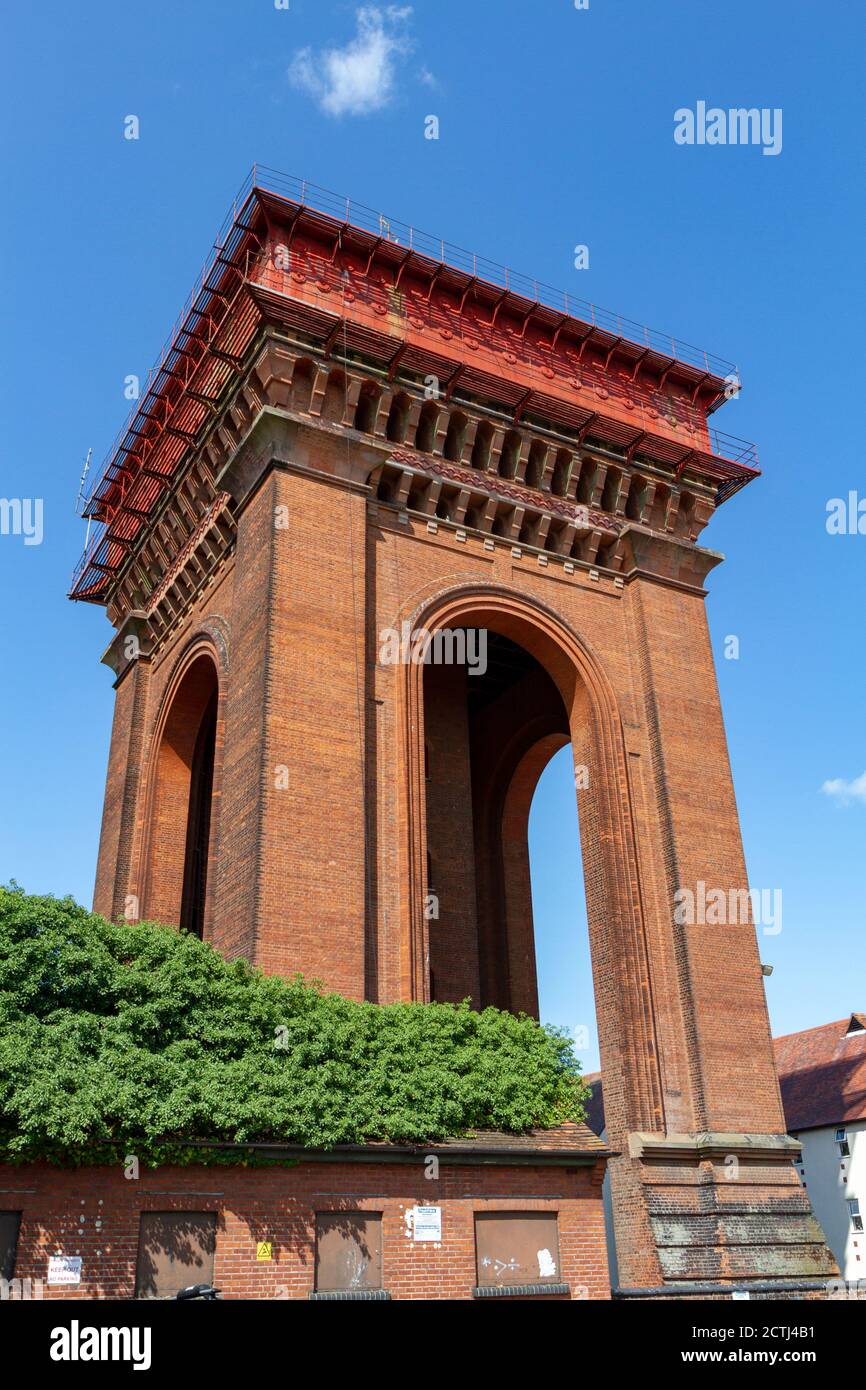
[[846, 791], [360, 77]]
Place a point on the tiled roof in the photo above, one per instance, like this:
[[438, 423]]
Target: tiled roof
[[559, 1141], [569, 1137], [557, 1144], [822, 1074]]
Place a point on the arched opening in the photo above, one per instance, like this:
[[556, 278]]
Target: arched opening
[[661, 502], [180, 819], [334, 402], [428, 420], [509, 454], [482, 444], [536, 462], [302, 385], [398, 418], [367, 409], [636, 501], [448, 498], [685, 516], [456, 436], [198, 822], [586, 485], [610, 492], [492, 725], [494, 720], [561, 473]]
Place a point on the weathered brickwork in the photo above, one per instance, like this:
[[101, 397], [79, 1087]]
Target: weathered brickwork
[[96, 1213], [339, 502]]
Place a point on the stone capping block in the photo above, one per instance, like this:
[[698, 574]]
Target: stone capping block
[[136, 625], [669, 558], [712, 1145]]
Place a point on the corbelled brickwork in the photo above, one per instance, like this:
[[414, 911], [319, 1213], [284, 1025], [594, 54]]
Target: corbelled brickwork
[[398, 445]]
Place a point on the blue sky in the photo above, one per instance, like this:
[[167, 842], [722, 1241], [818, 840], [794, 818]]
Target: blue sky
[[556, 128]]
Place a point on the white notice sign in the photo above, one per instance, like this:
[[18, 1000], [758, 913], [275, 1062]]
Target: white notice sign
[[64, 1269], [427, 1223]]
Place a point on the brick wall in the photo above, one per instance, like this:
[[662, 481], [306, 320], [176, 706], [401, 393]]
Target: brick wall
[[327, 876], [454, 929], [95, 1213]]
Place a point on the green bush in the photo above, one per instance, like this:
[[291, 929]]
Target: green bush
[[140, 1039]]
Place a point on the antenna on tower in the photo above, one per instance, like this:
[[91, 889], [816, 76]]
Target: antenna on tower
[[84, 473], [79, 501]]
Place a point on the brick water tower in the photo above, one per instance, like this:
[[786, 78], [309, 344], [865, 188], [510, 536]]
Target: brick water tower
[[357, 430]]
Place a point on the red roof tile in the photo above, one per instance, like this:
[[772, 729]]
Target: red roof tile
[[557, 1144], [570, 1137], [822, 1074]]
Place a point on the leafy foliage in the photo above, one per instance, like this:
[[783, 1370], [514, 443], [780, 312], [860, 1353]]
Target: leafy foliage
[[141, 1039]]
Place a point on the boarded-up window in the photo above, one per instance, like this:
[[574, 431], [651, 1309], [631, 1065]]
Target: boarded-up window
[[348, 1251], [175, 1248], [517, 1247], [9, 1223]]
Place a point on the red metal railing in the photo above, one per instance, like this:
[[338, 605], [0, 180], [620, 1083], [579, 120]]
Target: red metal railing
[[205, 310], [346, 210]]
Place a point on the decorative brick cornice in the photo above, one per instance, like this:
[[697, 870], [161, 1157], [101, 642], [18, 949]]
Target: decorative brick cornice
[[559, 494], [218, 505], [498, 487], [486, 348], [134, 641]]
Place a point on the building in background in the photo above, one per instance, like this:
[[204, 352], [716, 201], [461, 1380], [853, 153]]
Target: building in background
[[822, 1073]]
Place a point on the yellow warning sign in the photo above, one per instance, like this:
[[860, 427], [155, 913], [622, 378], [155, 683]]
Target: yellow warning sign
[[264, 1250]]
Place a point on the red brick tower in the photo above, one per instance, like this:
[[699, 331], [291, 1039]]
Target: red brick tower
[[358, 431]]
